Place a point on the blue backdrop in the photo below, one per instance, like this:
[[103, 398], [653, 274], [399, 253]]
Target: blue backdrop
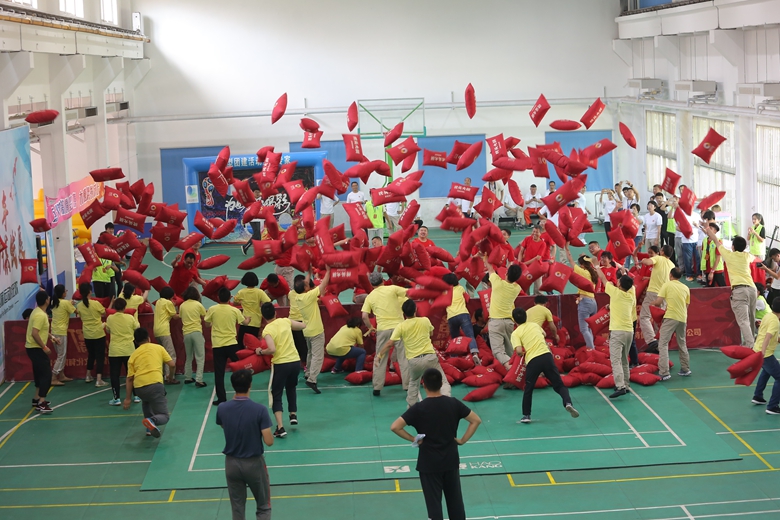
[[173, 182], [436, 181], [598, 179]]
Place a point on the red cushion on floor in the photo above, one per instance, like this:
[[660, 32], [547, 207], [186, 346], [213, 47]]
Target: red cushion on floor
[[480, 394], [644, 378], [589, 378], [359, 378], [487, 379], [596, 368], [539, 110], [737, 351], [606, 382], [570, 381], [458, 346], [461, 363], [650, 368]]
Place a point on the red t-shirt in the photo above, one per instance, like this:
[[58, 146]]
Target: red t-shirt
[[282, 289], [427, 243], [181, 278], [285, 259], [611, 275], [197, 256], [534, 249]]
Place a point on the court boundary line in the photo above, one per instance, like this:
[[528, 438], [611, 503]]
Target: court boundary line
[[70, 464], [748, 431], [202, 429], [668, 428], [631, 426], [20, 392], [11, 384]]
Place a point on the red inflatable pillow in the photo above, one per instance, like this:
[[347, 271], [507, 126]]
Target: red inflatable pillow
[[557, 278], [750, 365], [623, 246], [170, 216], [469, 156], [670, 182], [565, 125], [460, 191], [224, 229], [309, 125], [41, 116], [137, 279], [479, 380], [707, 147], [203, 225], [107, 174], [593, 113], [571, 381], [597, 150], [599, 321], [107, 253], [497, 146], [565, 194], [644, 378], [352, 116], [438, 159], [213, 261], [582, 283], [687, 200], [589, 378], [737, 351], [488, 205], [40, 225], [29, 270], [358, 378], [280, 107], [595, 368], [657, 314], [358, 218], [457, 150], [394, 134], [471, 101], [606, 382], [480, 394], [628, 136], [167, 236], [683, 224], [458, 346], [333, 305], [538, 158], [93, 213], [539, 110], [353, 147], [710, 200], [218, 180]]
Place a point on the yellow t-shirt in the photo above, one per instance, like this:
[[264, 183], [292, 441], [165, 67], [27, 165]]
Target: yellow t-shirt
[[281, 334], [677, 297], [738, 265], [122, 327], [458, 305], [343, 340], [164, 310], [416, 335], [60, 317], [39, 321], [769, 325], [92, 319], [308, 304], [585, 274], [295, 312], [250, 299], [385, 302], [622, 306], [134, 302], [191, 312], [502, 298], [529, 336], [539, 314], [146, 364], [223, 319], [662, 266]]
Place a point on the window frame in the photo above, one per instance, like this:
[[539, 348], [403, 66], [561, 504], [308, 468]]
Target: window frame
[[768, 196], [658, 158], [114, 8], [721, 172]]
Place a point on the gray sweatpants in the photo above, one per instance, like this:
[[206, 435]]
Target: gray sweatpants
[[250, 472], [167, 344], [195, 348], [646, 318], [417, 367], [380, 366], [500, 333], [669, 327], [315, 357], [743, 303], [619, 345], [62, 350], [154, 403]]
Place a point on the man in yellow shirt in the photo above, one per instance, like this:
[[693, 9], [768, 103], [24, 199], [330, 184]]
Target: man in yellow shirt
[[306, 297], [502, 303], [622, 305], [528, 339], [223, 319], [766, 342], [416, 334], [35, 345], [662, 266], [458, 318], [285, 364], [384, 301], [164, 312], [347, 343], [540, 315], [145, 377], [677, 297], [743, 290]]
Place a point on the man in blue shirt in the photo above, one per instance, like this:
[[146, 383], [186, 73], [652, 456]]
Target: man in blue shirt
[[245, 423]]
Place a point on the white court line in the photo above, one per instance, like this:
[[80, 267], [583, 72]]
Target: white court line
[[631, 426], [202, 428], [7, 389], [659, 418], [386, 446], [749, 431], [685, 510], [523, 454], [76, 464]]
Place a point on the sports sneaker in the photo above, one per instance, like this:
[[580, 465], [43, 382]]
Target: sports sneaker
[[44, 408], [313, 386], [114, 402], [476, 359], [100, 384], [88, 379], [293, 419], [280, 433], [35, 402], [334, 371], [377, 393], [136, 399], [526, 419], [758, 400], [574, 413], [773, 411], [153, 429], [667, 377], [188, 381], [684, 373], [619, 392]]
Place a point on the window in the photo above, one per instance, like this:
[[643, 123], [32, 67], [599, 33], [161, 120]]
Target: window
[[72, 7], [768, 172], [661, 146], [720, 174], [27, 3], [109, 12]]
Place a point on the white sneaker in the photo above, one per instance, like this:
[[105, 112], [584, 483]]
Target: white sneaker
[[136, 399], [100, 384], [88, 379], [114, 402]]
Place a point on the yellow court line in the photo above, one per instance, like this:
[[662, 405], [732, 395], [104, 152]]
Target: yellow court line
[[70, 488], [397, 485], [84, 417], [511, 480], [704, 388], [760, 453], [552, 480], [14, 399], [173, 494], [740, 439], [16, 427]]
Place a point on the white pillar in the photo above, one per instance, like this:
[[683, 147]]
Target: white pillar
[[14, 68], [746, 181]]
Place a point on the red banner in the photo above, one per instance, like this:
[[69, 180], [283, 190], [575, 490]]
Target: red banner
[[711, 324]]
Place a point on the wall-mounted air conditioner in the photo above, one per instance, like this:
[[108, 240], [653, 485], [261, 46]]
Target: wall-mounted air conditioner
[[646, 83], [759, 89], [73, 114], [705, 87], [117, 106]]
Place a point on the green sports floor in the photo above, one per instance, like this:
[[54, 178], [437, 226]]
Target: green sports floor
[[689, 448]]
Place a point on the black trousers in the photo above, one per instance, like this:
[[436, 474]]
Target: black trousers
[[607, 225], [96, 353], [104, 289], [221, 356], [300, 344], [41, 365], [115, 364], [633, 352], [284, 377], [543, 364], [719, 280], [433, 484], [773, 293], [246, 329]]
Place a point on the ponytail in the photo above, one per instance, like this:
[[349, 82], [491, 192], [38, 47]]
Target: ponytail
[[59, 293], [588, 266], [85, 289], [128, 290]]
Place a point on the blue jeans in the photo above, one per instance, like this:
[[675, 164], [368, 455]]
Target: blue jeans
[[462, 322], [585, 309], [691, 259], [771, 367], [354, 352]]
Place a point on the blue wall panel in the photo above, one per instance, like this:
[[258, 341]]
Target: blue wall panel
[[337, 154], [436, 181], [172, 170], [598, 179]]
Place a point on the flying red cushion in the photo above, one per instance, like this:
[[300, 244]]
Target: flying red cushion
[[599, 321], [471, 101], [107, 174], [496, 146], [438, 159], [309, 125], [707, 147], [565, 194], [515, 193], [40, 225], [597, 150], [670, 182], [737, 351], [683, 224], [565, 125], [593, 113], [539, 110], [353, 147], [460, 191], [628, 136], [687, 200], [29, 270], [218, 180], [469, 156], [488, 205], [710, 200], [539, 162], [224, 229], [130, 219], [279, 108], [41, 116], [358, 218], [333, 305], [352, 116], [394, 134], [311, 140], [137, 279], [557, 277]]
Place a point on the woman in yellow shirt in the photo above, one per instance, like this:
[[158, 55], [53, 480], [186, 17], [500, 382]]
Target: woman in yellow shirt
[[250, 299], [164, 312], [458, 318], [344, 345], [191, 313], [92, 312], [133, 300], [586, 302], [61, 311], [121, 346]]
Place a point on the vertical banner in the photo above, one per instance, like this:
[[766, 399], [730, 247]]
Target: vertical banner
[[15, 232]]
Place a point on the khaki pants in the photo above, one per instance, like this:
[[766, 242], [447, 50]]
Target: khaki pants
[[743, 303], [287, 273], [167, 344], [195, 348], [669, 327], [417, 367], [315, 357], [619, 345], [61, 349], [646, 319], [501, 338], [380, 366]]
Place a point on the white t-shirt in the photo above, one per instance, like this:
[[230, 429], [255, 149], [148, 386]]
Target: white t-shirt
[[356, 197], [546, 212], [652, 223], [639, 222], [326, 205], [392, 209], [508, 201], [582, 202], [529, 203], [776, 281], [609, 207], [694, 239]]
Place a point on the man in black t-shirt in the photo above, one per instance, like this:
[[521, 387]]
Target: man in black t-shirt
[[436, 420]]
